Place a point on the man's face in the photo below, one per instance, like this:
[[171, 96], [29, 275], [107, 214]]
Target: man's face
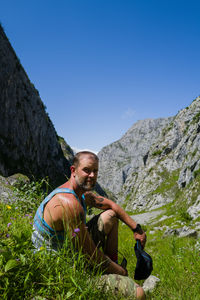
[[86, 173]]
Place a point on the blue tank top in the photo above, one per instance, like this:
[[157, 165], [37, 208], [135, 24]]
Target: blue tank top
[[43, 234]]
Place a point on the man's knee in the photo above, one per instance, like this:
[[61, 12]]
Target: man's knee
[[109, 215], [109, 219]]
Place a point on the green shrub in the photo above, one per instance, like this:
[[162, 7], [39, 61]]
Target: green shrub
[[157, 152], [196, 173]]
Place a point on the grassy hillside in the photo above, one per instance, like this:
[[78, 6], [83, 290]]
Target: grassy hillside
[[25, 274]]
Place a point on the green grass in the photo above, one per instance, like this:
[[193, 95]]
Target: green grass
[[25, 274], [65, 275], [176, 263], [169, 182]]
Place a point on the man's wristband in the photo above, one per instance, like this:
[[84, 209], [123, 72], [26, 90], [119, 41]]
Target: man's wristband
[[137, 229]]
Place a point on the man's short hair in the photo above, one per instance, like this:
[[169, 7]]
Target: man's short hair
[[77, 157]]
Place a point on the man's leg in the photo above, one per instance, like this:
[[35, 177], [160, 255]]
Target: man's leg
[[107, 223], [122, 285], [110, 228]]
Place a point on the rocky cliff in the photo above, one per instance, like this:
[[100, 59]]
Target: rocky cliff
[[153, 166], [125, 156], [28, 140]]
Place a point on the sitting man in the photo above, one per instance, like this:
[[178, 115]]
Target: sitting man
[[65, 210]]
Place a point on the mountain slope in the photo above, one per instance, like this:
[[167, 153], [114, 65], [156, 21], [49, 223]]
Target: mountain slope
[[126, 155], [170, 166], [28, 140]]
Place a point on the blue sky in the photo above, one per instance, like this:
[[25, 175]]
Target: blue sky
[[100, 66]]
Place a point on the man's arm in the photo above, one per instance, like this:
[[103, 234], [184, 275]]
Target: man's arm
[[94, 200]]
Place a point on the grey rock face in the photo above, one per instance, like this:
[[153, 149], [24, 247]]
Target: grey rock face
[[153, 160], [194, 210], [127, 155], [28, 140], [173, 160], [6, 193], [181, 232]]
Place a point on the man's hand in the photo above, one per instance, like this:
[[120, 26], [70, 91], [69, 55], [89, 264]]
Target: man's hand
[[141, 235]]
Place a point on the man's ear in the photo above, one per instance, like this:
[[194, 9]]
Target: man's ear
[[72, 168]]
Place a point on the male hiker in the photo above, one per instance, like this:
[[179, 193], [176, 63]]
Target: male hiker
[[64, 211]]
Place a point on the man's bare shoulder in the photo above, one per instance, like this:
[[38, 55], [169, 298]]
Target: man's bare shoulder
[[64, 200], [65, 206]]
